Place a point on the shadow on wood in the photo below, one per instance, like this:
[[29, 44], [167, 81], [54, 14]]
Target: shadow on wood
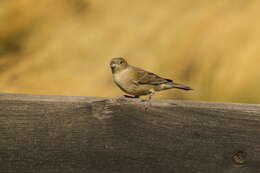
[[49, 134]]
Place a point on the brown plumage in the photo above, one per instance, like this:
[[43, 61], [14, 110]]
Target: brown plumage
[[138, 82]]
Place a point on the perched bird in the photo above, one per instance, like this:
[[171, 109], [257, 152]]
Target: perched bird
[[138, 82]]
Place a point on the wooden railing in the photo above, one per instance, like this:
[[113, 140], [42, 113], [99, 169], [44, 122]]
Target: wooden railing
[[63, 134]]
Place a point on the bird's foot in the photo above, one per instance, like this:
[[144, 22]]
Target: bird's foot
[[148, 101], [147, 105]]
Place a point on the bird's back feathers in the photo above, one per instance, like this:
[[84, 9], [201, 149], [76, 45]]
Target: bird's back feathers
[[148, 78]]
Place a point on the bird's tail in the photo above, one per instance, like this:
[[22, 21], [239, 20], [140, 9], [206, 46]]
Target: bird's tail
[[180, 86]]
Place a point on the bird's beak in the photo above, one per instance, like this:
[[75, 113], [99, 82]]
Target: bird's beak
[[112, 65]]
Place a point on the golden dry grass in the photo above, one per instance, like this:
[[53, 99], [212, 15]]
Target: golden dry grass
[[64, 47]]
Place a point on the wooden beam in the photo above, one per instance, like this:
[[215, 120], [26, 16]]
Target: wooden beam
[[49, 134]]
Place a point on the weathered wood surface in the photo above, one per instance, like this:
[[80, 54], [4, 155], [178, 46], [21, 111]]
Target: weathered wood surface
[[61, 134]]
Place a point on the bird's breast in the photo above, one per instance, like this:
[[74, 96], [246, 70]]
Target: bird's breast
[[121, 78], [125, 81]]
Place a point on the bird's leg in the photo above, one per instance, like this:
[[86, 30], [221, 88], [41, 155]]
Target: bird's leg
[[148, 101]]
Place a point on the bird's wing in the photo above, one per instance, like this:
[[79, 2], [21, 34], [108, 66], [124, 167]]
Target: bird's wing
[[147, 78]]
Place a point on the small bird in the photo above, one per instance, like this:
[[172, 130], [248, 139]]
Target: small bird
[[138, 82]]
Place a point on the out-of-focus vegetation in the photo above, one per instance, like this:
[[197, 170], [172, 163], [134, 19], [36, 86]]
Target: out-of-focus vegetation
[[64, 47]]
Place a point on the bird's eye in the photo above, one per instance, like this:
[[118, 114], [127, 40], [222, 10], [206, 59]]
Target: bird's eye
[[121, 62]]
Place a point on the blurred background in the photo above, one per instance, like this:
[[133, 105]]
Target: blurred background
[[64, 47]]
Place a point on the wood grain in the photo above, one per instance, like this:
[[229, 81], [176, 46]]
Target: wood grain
[[54, 134]]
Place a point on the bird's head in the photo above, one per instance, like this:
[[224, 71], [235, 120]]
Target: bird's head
[[118, 64]]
